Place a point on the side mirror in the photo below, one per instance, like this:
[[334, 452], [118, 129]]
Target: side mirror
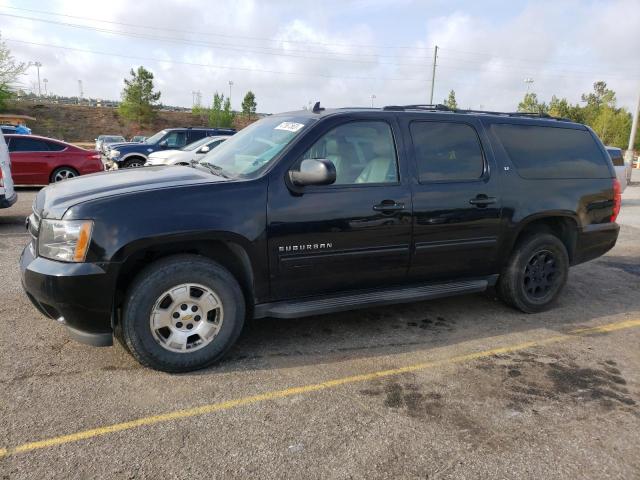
[[204, 149], [314, 172]]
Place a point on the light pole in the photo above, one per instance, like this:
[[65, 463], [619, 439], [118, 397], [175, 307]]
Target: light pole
[[37, 65], [373, 97], [45, 81], [230, 85], [529, 82]]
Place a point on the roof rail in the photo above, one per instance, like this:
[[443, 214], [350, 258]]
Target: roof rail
[[427, 106], [443, 108]]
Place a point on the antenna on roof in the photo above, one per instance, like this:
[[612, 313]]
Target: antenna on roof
[[317, 108]]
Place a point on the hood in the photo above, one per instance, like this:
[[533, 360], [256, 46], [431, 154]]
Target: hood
[[165, 153], [54, 200], [120, 144]]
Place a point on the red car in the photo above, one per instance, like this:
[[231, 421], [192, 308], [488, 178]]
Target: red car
[[39, 160]]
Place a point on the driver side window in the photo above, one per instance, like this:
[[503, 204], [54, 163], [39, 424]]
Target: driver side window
[[362, 152], [176, 139]]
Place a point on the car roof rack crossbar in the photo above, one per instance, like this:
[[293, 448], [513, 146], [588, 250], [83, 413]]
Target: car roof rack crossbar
[[443, 108]]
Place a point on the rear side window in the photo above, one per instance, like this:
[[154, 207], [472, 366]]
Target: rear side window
[[446, 151], [55, 147], [552, 152], [616, 157], [25, 144]]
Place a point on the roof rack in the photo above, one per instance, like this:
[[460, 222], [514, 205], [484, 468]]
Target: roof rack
[[443, 108]]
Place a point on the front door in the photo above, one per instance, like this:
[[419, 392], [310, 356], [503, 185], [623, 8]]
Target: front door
[[30, 159], [456, 201], [354, 234]]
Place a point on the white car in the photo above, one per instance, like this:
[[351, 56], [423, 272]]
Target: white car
[[104, 141], [621, 166], [194, 151], [8, 195]]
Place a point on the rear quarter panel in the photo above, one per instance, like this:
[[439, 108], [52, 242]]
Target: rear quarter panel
[[585, 201]]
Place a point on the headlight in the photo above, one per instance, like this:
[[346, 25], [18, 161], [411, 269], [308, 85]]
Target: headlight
[[114, 153], [65, 240]]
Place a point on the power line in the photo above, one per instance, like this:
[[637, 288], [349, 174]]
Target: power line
[[224, 46], [207, 65], [200, 32]]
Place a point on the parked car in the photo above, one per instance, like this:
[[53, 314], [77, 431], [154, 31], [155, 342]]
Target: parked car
[[192, 152], [127, 155], [39, 160], [315, 212], [621, 166], [15, 129], [105, 140], [138, 138], [8, 196]]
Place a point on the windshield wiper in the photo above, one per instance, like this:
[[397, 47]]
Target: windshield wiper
[[215, 169]]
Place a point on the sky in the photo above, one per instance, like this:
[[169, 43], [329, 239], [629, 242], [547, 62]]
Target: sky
[[339, 52]]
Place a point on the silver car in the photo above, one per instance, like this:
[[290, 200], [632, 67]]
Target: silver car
[[622, 167]]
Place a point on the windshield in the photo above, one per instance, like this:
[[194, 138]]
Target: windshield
[[196, 144], [255, 146], [156, 138]]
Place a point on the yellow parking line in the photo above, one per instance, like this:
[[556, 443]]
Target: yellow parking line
[[226, 405]]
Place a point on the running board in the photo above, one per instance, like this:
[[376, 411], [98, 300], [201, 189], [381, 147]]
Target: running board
[[370, 298]]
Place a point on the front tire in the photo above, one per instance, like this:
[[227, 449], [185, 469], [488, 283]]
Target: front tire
[[134, 162], [536, 273], [182, 313]]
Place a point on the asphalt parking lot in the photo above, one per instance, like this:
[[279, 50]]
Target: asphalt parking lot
[[455, 388]]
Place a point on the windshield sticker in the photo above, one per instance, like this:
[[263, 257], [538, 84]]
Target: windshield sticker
[[289, 126]]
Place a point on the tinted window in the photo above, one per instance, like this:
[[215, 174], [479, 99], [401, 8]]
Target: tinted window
[[197, 135], [362, 152], [8, 130], [446, 151], [55, 147], [616, 157], [20, 144], [552, 152]]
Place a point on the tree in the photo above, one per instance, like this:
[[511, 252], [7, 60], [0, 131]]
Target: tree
[[10, 71], [227, 114], [530, 104], [138, 98], [215, 114], [249, 104], [450, 101]]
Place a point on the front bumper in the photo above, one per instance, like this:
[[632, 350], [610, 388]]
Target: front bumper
[[78, 295], [6, 202]]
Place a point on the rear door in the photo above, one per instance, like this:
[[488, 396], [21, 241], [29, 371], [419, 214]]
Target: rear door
[[194, 135], [30, 158], [456, 199]]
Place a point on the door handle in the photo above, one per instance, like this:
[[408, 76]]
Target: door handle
[[482, 200], [388, 206]]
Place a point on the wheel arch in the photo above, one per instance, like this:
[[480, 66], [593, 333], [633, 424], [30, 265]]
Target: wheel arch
[[230, 253], [563, 225], [58, 167]]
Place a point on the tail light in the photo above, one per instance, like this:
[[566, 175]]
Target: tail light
[[1, 179], [617, 199]]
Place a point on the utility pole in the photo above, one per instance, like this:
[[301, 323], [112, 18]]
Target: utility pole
[[81, 91], [38, 65], [528, 81], [45, 81], [230, 85], [433, 73], [373, 97], [634, 131]]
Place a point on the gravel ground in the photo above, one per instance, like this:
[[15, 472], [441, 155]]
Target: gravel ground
[[524, 407]]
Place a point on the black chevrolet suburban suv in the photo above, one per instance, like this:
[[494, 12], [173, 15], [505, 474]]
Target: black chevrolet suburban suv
[[135, 154], [315, 212]]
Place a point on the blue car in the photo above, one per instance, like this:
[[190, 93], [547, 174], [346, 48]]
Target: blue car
[[15, 129], [128, 155]]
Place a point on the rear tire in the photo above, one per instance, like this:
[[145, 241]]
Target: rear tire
[[200, 302], [535, 274], [63, 173]]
